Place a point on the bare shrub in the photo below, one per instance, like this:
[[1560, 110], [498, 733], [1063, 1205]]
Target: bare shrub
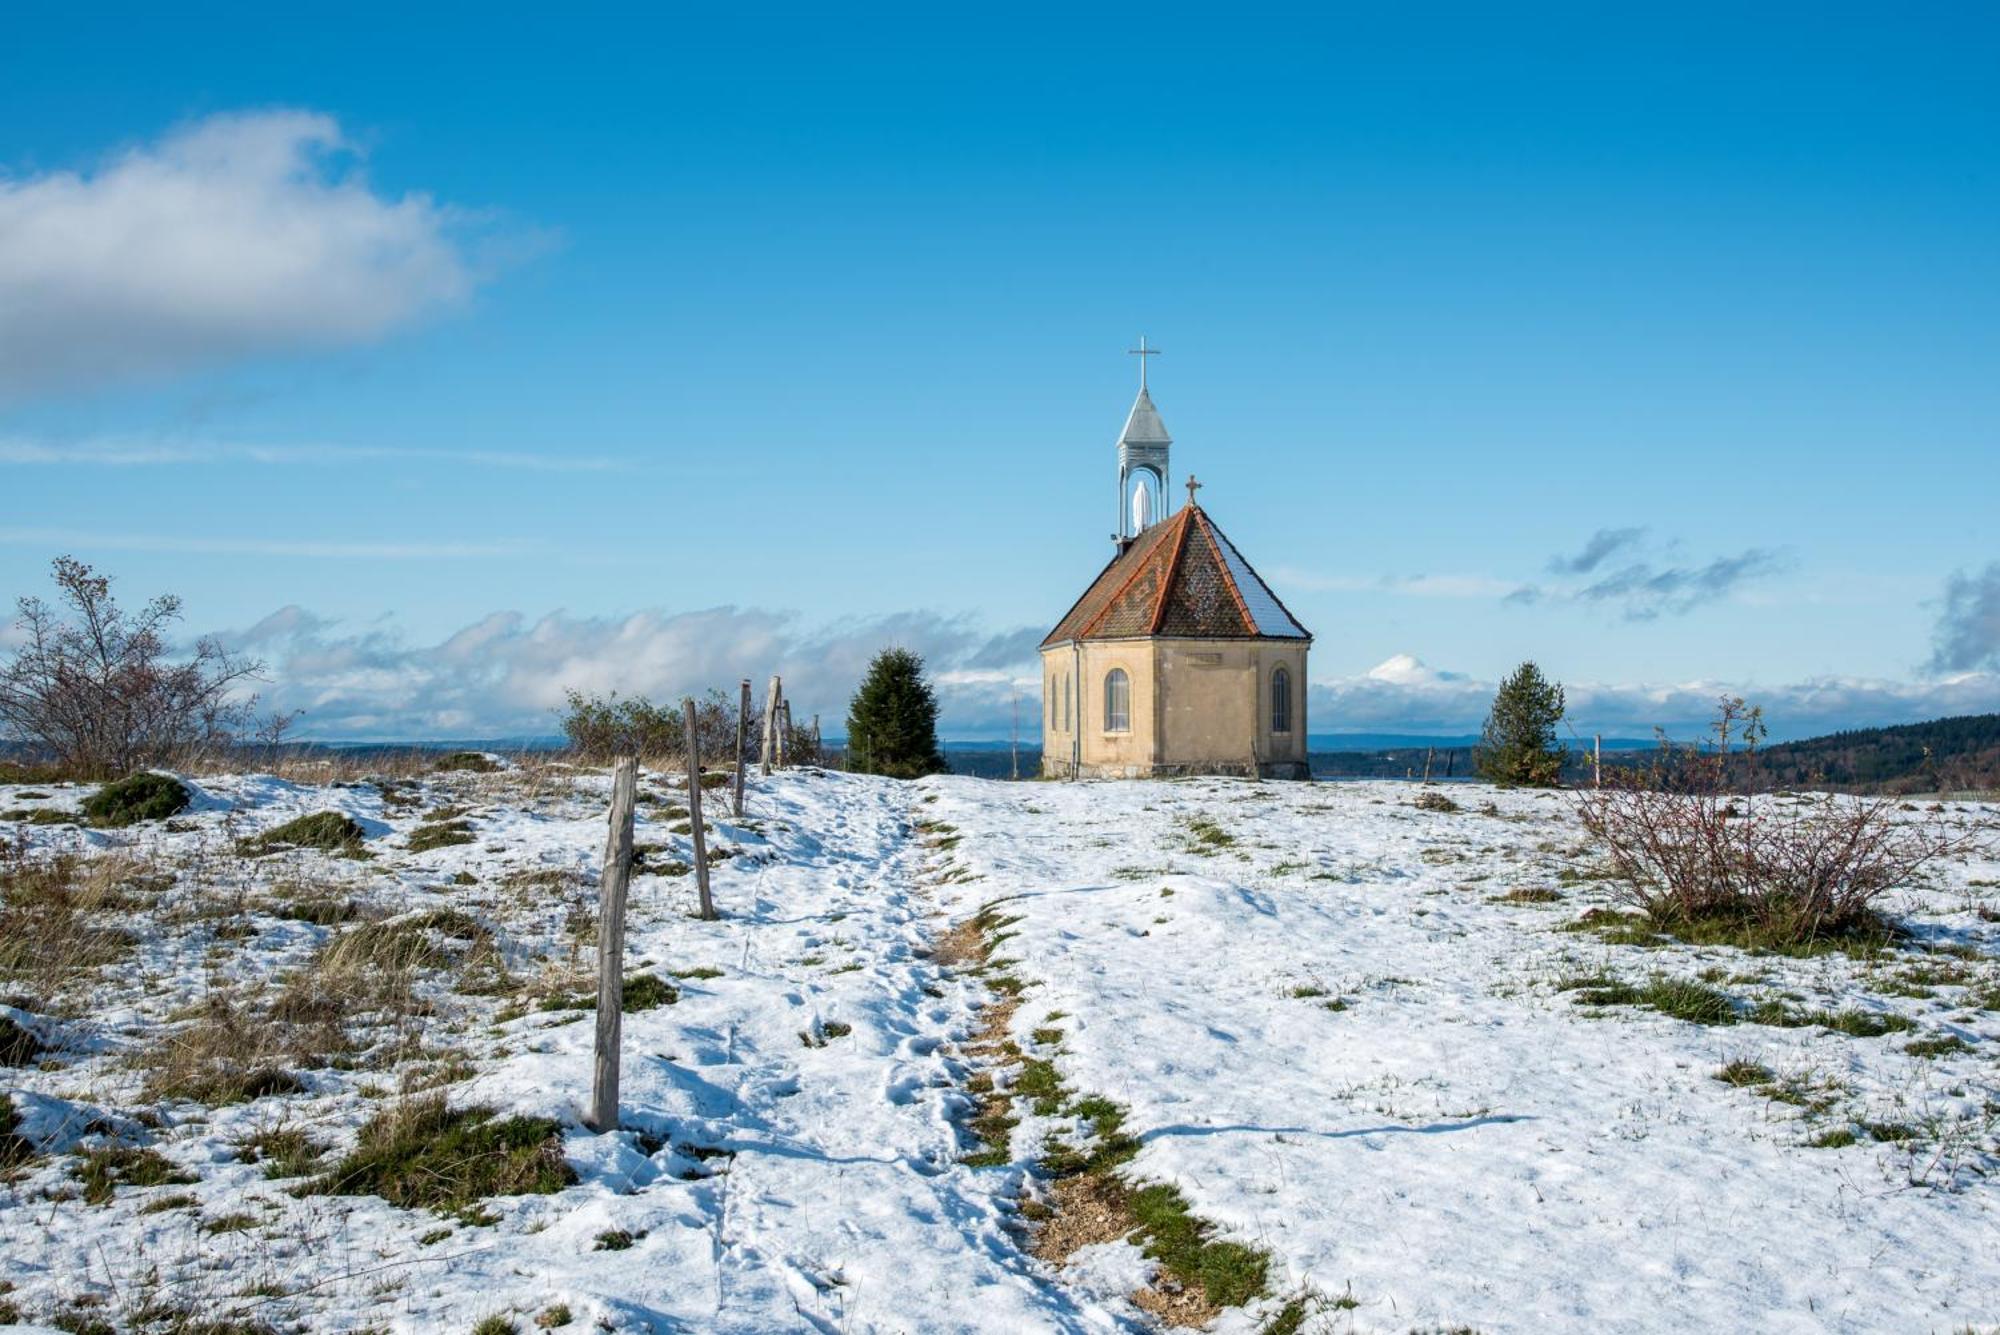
[[1694, 858], [600, 727], [94, 688]]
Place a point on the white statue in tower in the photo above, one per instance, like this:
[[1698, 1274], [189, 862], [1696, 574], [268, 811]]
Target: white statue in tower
[[1142, 508]]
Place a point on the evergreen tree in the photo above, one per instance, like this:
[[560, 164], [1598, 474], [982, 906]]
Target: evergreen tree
[[1518, 744], [892, 720]]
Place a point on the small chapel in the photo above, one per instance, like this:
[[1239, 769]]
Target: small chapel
[[1178, 659]]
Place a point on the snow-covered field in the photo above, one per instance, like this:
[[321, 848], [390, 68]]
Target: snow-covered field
[[1346, 1029]]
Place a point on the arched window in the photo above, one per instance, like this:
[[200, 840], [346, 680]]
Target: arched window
[[1281, 701], [1117, 701]]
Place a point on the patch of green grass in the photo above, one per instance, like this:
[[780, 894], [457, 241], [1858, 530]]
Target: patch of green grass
[[648, 991], [701, 971], [1207, 837], [472, 762], [1230, 1273], [1837, 1139], [552, 1318], [1694, 1002], [1041, 1082], [139, 797], [497, 1324], [1741, 1073], [330, 831], [1308, 990], [616, 1240], [428, 1155], [1852, 1022], [1943, 1045], [440, 834], [1046, 1036], [103, 1170]]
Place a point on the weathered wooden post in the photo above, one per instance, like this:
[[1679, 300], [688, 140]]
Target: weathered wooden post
[[770, 724], [784, 732], [1429, 751], [694, 811], [1597, 760], [742, 736], [611, 945]]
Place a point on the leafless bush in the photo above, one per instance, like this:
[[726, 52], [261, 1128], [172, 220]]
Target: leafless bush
[[600, 727], [1690, 855], [94, 689]]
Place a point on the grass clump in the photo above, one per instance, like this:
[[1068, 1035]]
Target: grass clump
[[1433, 800], [431, 939], [1837, 1139], [331, 831], [1943, 1045], [1741, 1074], [15, 1148], [138, 797], [103, 1170], [649, 991], [425, 1154], [1683, 999], [1207, 837], [440, 834], [472, 762], [1854, 1023], [284, 1152], [18, 1047]]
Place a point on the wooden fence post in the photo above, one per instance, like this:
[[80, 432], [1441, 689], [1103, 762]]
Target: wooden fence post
[[611, 945], [1597, 760], [784, 732], [742, 736], [1429, 751], [694, 812], [770, 723]]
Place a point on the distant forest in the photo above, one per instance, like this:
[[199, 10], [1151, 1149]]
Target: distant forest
[[1944, 755]]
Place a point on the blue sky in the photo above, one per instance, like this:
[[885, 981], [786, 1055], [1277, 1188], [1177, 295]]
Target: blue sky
[[444, 359]]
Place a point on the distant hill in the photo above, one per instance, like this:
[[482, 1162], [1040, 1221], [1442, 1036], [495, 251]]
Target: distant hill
[[1944, 755]]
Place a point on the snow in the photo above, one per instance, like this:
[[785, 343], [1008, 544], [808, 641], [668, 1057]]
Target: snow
[[1460, 1144]]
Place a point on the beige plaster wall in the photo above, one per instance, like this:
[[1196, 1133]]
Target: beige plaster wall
[[1196, 705]]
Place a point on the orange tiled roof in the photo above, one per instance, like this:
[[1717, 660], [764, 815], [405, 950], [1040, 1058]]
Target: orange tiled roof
[[1182, 577]]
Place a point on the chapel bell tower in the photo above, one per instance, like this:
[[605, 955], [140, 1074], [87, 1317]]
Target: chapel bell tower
[[1142, 461]]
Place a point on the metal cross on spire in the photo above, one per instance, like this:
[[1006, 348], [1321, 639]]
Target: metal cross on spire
[[1142, 352], [1193, 487]]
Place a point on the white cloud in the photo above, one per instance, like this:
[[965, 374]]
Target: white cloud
[[237, 235], [505, 675]]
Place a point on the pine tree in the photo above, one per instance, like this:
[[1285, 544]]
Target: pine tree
[[892, 720], [1518, 744]]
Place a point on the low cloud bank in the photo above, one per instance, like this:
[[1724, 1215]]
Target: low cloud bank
[[505, 674]]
